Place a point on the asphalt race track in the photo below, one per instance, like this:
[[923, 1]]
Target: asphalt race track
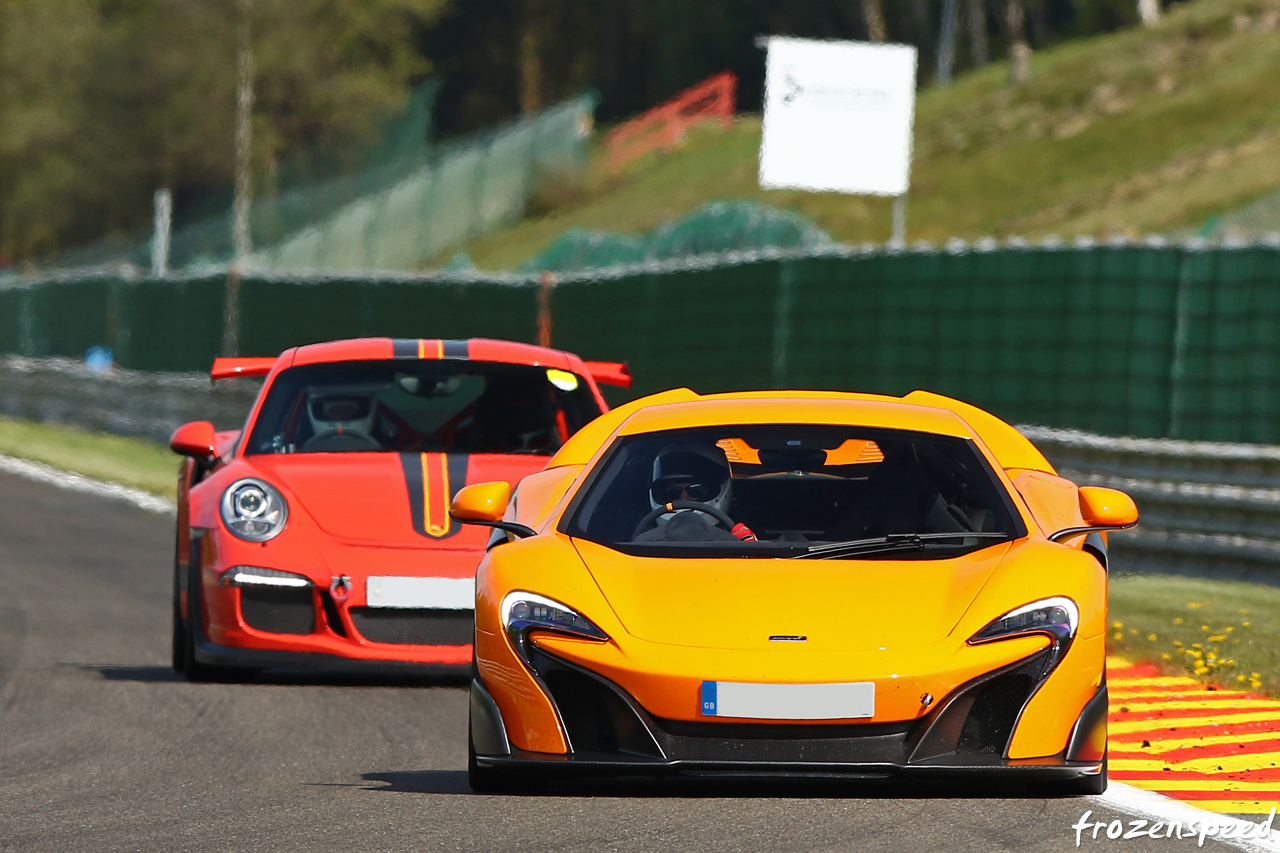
[[102, 747]]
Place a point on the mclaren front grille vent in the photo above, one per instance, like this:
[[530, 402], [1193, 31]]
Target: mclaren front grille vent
[[596, 717], [979, 719], [414, 627], [278, 611], [989, 724]]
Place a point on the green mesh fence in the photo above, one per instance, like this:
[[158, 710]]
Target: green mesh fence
[[1259, 220], [1124, 340], [399, 205]]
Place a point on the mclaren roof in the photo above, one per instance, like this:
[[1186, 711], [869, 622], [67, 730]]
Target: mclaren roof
[[920, 411]]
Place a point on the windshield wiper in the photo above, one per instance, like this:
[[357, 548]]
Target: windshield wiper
[[883, 544]]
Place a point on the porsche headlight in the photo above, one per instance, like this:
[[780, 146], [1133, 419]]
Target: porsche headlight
[[523, 612], [252, 510], [1056, 618]]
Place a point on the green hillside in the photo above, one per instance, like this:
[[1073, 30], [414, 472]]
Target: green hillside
[[1142, 131]]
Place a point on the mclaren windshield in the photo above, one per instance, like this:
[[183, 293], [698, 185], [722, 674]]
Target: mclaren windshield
[[799, 491], [421, 406]]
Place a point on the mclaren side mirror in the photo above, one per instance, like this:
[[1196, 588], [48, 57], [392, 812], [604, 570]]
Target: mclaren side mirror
[[1102, 509], [194, 439], [486, 503], [1107, 507]]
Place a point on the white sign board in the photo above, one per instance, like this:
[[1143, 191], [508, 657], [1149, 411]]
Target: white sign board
[[837, 116]]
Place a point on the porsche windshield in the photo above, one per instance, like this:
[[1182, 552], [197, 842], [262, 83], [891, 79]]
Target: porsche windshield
[[803, 491], [421, 406]]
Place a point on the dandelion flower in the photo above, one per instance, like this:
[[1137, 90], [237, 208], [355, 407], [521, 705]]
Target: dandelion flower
[[1151, 637]]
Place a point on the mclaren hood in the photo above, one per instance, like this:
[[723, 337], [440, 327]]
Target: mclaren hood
[[835, 604]]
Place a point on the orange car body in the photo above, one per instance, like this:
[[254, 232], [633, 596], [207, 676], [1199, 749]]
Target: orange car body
[[634, 699], [368, 524]]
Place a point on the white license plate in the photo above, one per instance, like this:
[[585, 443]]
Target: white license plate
[[789, 701], [430, 593]]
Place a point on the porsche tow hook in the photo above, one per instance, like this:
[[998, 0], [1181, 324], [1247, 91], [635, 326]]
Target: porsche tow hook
[[340, 587]]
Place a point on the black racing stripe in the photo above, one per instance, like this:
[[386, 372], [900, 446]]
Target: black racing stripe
[[457, 472], [411, 463], [457, 349], [404, 348]]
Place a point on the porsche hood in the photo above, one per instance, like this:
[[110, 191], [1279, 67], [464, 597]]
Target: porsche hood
[[833, 604], [397, 499]]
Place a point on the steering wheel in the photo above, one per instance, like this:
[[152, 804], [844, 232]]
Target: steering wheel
[[651, 519], [338, 442]]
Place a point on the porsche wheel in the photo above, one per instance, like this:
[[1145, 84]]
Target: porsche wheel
[[179, 641], [184, 640], [179, 650]]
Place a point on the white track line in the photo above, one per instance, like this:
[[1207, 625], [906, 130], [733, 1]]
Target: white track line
[[1148, 804], [42, 473]]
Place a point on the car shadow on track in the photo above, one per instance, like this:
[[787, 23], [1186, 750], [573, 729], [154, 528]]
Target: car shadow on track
[[717, 787], [158, 674]]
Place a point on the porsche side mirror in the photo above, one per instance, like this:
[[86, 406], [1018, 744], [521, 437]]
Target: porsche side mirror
[[486, 503], [194, 439], [1102, 509]]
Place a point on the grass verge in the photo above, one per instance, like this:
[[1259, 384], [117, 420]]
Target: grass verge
[[1145, 130], [1218, 631], [133, 462]]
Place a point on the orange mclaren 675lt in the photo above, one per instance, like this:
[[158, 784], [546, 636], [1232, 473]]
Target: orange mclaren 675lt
[[320, 535], [792, 582]]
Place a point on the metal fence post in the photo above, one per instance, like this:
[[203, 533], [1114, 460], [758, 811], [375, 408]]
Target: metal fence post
[[782, 325], [1181, 331]]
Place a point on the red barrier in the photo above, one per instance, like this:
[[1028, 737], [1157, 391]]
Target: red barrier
[[664, 126]]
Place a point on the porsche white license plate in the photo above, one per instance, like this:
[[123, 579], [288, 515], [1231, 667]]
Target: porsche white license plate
[[430, 593], [789, 701]]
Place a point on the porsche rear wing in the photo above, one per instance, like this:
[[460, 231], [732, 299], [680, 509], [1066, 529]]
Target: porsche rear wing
[[610, 372], [232, 368], [603, 372]]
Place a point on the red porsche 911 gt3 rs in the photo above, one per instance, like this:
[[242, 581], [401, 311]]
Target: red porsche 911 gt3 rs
[[320, 536]]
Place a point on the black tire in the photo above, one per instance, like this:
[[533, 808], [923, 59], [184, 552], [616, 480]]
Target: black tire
[[486, 780], [184, 639], [179, 650]]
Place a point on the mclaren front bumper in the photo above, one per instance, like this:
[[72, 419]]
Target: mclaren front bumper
[[968, 733]]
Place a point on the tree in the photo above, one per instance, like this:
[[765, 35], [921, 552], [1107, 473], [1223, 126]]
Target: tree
[[1019, 50], [101, 102], [873, 14], [977, 14], [947, 42]]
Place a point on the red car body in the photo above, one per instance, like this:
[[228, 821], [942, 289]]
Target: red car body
[[367, 567]]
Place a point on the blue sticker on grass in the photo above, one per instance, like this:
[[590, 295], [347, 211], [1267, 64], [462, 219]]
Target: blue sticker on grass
[[709, 698]]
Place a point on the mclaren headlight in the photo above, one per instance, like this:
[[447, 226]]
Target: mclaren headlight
[[1056, 618], [523, 612], [253, 576], [254, 511]]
